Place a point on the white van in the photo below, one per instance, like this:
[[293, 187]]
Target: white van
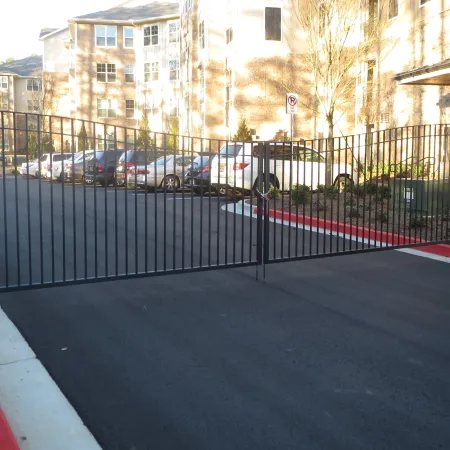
[[236, 167]]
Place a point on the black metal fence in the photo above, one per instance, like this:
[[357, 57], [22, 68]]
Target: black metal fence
[[85, 202]]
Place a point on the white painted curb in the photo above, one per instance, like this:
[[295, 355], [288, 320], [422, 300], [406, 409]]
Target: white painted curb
[[40, 416]]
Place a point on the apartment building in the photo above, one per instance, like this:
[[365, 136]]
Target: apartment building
[[411, 82], [20, 91], [238, 59], [121, 63]]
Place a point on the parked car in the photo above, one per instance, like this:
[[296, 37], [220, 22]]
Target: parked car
[[75, 171], [31, 169], [102, 166], [132, 158], [236, 167], [198, 176], [58, 167], [166, 172], [49, 161]]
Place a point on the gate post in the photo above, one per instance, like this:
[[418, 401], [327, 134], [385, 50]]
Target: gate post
[[260, 207]]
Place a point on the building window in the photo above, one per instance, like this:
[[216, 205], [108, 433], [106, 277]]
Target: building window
[[130, 140], [273, 24], [422, 2], [151, 71], [173, 107], [106, 73], [33, 85], [201, 34], [150, 108], [109, 141], [393, 8], [3, 82], [128, 37], [229, 36], [151, 34], [105, 36], [174, 69], [129, 109], [174, 31], [32, 106], [129, 73], [228, 95], [106, 108], [4, 102]]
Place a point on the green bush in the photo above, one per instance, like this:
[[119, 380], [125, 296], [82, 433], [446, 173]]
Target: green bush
[[383, 193], [420, 170], [354, 212], [331, 191], [381, 216], [417, 222], [274, 192], [300, 194], [320, 188]]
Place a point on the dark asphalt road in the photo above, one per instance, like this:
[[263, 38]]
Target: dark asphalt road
[[348, 353]]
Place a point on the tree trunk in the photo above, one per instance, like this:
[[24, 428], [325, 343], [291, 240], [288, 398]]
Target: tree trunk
[[329, 152]]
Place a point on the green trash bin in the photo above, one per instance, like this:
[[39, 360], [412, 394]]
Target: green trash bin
[[426, 197]]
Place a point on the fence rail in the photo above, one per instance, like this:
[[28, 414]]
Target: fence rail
[[92, 202]]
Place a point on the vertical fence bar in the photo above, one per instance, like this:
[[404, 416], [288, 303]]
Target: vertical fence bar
[[27, 148], [114, 180], [183, 213], [174, 212], [192, 142], [252, 192], [201, 202], [105, 193], [61, 124], [260, 207], [72, 140], [266, 206], [5, 211], [41, 240], [17, 201], [155, 184]]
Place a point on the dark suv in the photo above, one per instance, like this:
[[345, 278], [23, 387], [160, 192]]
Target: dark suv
[[132, 158], [102, 167], [198, 176]]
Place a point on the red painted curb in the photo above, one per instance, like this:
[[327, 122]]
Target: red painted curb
[[339, 227], [438, 249], [7, 439]]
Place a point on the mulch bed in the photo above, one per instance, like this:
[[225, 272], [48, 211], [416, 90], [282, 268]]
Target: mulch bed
[[369, 212]]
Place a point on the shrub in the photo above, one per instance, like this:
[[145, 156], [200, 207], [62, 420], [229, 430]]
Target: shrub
[[300, 194], [381, 216], [383, 193], [371, 188], [331, 191], [417, 222], [354, 212], [320, 188], [274, 192], [420, 170], [445, 214]]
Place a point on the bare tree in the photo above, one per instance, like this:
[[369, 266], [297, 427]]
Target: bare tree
[[343, 38], [44, 99]]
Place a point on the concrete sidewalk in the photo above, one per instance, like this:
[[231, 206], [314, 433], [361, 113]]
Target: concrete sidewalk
[[345, 353]]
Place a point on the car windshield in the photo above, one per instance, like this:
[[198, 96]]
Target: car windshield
[[126, 156], [163, 160], [230, 150], [79, 156], [201, 161]]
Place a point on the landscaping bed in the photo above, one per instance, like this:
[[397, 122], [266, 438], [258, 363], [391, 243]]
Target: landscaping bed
[[365, 206]]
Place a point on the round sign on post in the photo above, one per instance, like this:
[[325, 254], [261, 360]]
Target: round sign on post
[[291, 103]]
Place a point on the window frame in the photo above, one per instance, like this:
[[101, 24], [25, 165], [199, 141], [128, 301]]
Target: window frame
[[133, 66], [125, 37], [3, 82], [393, 10], [266, 31], [151, 71], [423, 3], [176, 32], [176, 70], [174, 105], [109, 108], [201, 35], [32, 106], [4, 102], [129, 115], [106, 27], [34, 83], [151, 35], [107, 73]]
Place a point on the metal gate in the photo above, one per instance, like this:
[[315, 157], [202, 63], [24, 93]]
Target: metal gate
[[85, 202]]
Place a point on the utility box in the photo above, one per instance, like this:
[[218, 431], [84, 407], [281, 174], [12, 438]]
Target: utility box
[[428, 197]]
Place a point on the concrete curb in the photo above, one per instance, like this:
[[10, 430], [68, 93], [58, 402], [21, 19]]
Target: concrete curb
[[38, 414]]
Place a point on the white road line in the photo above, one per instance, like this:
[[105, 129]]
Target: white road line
[[412, 251], [38, 413]]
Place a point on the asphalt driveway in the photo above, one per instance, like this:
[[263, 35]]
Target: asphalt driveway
[[339, 353]]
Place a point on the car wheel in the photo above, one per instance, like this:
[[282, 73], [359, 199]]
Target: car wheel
[[171, 183], [89, 182], [342, 182]]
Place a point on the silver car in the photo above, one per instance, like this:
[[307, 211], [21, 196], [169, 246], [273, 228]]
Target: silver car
[[166, 173]]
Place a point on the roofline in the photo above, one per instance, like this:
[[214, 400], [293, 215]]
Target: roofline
[[52, 33], [423, 71], [9, 74], [124, 21]]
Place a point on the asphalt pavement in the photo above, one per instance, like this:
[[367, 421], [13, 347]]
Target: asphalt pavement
[[343, 353]]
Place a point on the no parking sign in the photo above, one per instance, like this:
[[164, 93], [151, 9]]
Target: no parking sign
[[291, 103]]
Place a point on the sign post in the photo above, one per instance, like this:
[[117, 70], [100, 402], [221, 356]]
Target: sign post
[[292, 108]]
